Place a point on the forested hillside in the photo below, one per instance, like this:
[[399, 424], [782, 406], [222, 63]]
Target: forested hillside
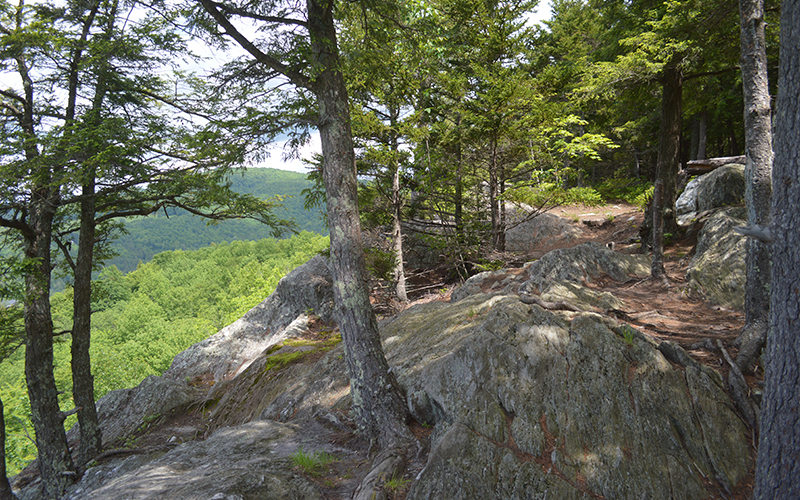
[[180, 230], [142, 319]]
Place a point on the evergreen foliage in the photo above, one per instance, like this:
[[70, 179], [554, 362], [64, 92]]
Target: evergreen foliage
[[144, 318]]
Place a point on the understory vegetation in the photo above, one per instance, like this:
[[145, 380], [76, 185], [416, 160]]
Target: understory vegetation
[[144, 318]]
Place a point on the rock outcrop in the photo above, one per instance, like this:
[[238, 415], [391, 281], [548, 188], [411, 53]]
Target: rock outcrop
[[718, 188], [717, 271], [526, 403], [236, 463], [123, 411], [523, 402], [284, 314], [543, 229]]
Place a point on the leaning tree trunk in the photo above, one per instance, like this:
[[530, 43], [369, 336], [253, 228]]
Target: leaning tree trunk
[[397, 235], [778, 467], [758, 179], [5, 488], [397, 213], [498, 242], [82, 379], [669, 142], [378, 402], [55, 462]]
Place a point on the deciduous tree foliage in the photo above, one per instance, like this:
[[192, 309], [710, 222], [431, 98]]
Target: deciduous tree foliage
[[778, 469], [666, 43], [82, 129], [382, 72]]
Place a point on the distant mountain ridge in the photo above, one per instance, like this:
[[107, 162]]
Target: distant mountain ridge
[[181, 230]]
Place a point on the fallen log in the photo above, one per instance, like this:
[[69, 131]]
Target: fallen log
[[699, 167]]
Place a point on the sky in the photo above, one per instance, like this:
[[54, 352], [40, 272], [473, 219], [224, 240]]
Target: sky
[[541, 13]]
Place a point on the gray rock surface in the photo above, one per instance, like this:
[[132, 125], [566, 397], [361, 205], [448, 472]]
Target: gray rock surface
[[245, 462], [530, 404], [719, 188], [686, 204], [281, 316], [124, 410], [717, 271], [544, 229], [559, 274], [524, 402], [583, 263]]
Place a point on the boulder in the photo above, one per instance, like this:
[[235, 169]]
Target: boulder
[[686, 204], [123, 411], [245, 462], [584, 263], [526, 403], [718, 188], [284, 314], [717, 271], [544, 229], [560, 274]]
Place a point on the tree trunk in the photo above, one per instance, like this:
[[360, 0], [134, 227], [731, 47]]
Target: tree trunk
[[397, 207], [82, 379], [758, 179], [778, 467], [55, 462], [657, 266], [702, 135], [459, 187], [5, 488], [397, 234], [494, 198], [378, 402], [669, 140]]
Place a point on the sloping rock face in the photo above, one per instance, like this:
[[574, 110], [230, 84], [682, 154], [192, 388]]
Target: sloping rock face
[[718, 271], [526, 403], [124, 410], [543, 229], [718, 188], [281, 316], [240, 463]]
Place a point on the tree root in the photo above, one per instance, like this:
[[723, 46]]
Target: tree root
[[751, 341], [739, 391], [387, 465]]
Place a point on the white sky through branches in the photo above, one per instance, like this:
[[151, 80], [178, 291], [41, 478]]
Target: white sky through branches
[[275, 160]]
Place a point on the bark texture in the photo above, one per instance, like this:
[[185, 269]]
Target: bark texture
[[82, 379], [378, 402], [778, 467], [669, 142], [55, 461], [657, 267], [758, 179], [397, 236]]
